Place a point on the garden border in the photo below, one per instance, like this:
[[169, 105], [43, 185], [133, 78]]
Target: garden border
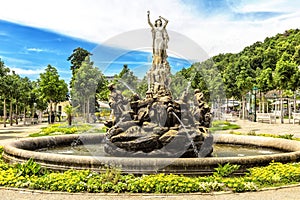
[[21, 150]]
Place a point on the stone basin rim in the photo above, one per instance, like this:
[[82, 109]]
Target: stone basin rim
[[13, 152]]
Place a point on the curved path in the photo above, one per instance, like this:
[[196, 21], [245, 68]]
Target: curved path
[[15, 132], [284, 193]]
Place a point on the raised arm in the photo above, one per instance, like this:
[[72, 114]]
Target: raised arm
[[149, 22], [166, 21]]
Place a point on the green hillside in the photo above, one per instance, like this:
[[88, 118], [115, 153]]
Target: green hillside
[[268, 65]]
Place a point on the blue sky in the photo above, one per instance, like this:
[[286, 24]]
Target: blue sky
[[37, 33]]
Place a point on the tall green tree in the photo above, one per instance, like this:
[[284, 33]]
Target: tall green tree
[[284, 76], [245, 80], [52, 88], [76, 58], [84, 87], [13, 93], [4, 88]]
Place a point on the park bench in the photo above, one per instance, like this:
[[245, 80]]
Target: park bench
[[266, 117], [276, 113], [296, 116], [228, 117], [29, 121]]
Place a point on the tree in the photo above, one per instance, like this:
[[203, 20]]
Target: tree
[[142, 87], [245, 79], [84, 87], [26, 88], [126, 81], [51, 88], [265, 83], [285, 76], [69, 110], [77, 57], [3, 88], [13, 93], [102, 89], [60, 96]]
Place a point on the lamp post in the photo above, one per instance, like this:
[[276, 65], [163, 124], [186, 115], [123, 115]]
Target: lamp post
[[255, 89]]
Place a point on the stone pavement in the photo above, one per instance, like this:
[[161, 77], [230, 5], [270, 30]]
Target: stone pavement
[[259, 127], [285, 193], [15, 132]]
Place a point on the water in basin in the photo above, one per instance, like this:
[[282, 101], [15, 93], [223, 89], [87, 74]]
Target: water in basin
[[220, 150]]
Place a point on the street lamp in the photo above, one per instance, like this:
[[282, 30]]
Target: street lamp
[[255, 89]]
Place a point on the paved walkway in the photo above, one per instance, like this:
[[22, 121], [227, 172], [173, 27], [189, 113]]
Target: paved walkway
[[286, 193], [259, 127], [15, 132]]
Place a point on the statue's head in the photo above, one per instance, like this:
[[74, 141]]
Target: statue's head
[[158, 23]]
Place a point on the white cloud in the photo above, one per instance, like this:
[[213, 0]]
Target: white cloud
[[35, 49], [26, 71], [267, 6], [7, 59], [100, 20]]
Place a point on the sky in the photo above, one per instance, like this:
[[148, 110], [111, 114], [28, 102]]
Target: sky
[[36, 33]]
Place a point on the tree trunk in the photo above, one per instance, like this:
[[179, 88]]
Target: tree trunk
[[70, 120], [24, 122], [281, 108], [10, 113], [88, 110], [17, 113], [4, 112], [289, 110], [243, 107], [51, 113], [55, 112], [84, 109], [261, 103], [295, 102]]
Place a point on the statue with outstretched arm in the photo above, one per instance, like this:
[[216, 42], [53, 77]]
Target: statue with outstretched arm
[[160, 38]]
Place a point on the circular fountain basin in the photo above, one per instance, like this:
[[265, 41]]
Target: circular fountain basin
[[22, 150]]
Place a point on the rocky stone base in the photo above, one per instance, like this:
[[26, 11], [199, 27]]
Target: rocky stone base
[[171, 143]]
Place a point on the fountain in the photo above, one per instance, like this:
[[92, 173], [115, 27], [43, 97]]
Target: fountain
[[153, 135], [158, 126]]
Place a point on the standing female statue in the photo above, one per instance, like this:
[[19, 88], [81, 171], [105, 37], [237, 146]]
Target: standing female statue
[[160, 39]]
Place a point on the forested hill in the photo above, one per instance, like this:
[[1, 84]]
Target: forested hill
[[271, 64]]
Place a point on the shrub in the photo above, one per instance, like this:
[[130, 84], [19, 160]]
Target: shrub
[[32, 175], [226, 170]]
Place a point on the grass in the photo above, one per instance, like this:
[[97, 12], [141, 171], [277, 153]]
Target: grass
[[62, 129], [252, 133], [223, 125]]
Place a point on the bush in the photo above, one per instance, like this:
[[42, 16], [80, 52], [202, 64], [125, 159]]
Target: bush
[[226, 170], [32, 175]]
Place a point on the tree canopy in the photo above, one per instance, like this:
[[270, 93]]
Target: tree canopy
[[76, 58]]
